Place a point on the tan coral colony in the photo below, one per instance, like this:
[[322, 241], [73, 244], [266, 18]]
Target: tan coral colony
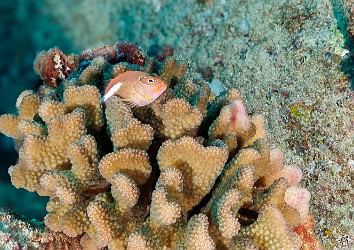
[[187, 171]]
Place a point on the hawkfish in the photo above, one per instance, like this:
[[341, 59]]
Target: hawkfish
[[136, 88]]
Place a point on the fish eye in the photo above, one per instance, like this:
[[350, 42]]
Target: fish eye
[[146, 80]]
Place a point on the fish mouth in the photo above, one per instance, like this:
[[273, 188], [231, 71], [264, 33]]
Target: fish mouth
[[160, 86]]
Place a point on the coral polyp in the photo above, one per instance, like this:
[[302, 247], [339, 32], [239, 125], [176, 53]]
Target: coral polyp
[[188, 171]]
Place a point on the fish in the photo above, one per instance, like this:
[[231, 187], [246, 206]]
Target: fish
[[136, 88]]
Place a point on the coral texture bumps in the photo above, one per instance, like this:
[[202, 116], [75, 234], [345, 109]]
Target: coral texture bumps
[[188, 171]]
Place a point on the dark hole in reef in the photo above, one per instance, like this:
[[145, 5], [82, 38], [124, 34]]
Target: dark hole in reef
[[259, 183], [152, 152], [121, 57], [104, 143], [207, 73], [246, 216], [201, 204], [38, 119], [173, 82]]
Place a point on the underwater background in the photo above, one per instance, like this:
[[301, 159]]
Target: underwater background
[[291, 60]]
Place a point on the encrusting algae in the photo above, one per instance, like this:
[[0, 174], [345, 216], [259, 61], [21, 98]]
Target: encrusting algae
[[187, 171]]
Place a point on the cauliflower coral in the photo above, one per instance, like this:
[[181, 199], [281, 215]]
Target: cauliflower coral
[[186, 172]]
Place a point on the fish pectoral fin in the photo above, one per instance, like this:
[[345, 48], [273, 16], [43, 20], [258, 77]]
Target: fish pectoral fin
[[130, 103], [125, 91]]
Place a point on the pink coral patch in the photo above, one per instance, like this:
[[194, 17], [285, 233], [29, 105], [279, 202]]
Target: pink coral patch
[[298, 198]]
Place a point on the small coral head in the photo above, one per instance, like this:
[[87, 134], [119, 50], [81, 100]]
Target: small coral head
[[239, 120], [136, 88]]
